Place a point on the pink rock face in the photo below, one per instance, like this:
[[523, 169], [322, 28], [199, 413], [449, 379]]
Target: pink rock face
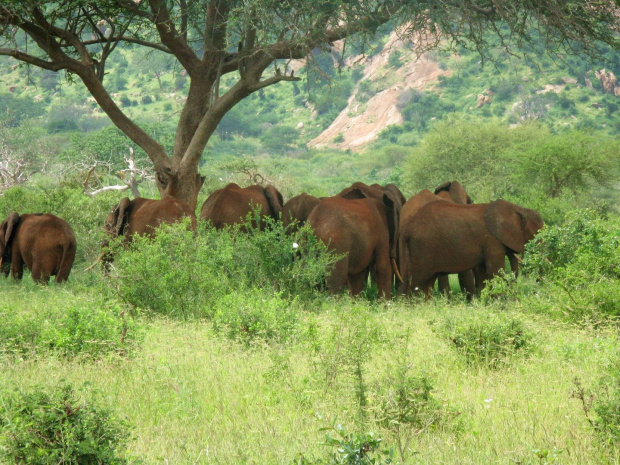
[[608, 81]]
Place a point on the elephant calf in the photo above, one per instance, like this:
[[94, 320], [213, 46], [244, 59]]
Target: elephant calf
[[43, 242]]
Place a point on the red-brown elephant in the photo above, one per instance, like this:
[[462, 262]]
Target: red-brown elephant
[[142, 216], [43, 242], [453, 192], [444, 237], [232, 204], [365, 231], [296, 211]]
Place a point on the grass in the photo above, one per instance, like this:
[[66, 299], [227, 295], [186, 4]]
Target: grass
[[196, 397]]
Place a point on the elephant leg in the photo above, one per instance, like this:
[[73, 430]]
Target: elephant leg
[[494, 260], [443, 284], [467, 284], [480, 273], [357, 281], [514, 264], [337, 280], [17, 266], [40, 274], [427, 288], [384, 275]]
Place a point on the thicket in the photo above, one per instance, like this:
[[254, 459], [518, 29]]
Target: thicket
[[39, 322], [553, 172], [49, 426]]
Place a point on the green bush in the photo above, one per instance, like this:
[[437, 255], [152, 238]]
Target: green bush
[[405, 406], [579, 261], [181, 273], [62, 125], [255, 314], [41, 320], [488, 340], [54, 426], [175, 274], [351, 449]]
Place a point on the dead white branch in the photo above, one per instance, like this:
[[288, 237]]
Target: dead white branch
[[130, 177]]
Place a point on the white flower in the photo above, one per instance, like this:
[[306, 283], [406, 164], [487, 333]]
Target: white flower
[[295, 245]]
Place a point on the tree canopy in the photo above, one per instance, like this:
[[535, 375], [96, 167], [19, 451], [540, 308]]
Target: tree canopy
[[245, 38]]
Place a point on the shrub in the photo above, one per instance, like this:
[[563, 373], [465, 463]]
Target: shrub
[[579, 260], [51, 426], [44, 320], [255, 314], [146, 99], [487, 340], [351, 449], [404, 405], [181, 273], [174, 273], [62, 125]]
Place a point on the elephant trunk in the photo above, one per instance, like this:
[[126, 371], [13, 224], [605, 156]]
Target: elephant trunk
[[395, 266]]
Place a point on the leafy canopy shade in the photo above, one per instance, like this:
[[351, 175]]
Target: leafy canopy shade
[[244, 38]]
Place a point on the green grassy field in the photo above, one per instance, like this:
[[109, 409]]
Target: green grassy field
[[192, 395]]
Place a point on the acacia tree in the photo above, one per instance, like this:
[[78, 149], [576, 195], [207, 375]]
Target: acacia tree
[[244, 38]]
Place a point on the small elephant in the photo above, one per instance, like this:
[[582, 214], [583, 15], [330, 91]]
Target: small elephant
[[444, 237], [232, 204], [296, 210], [43, 242], [365, 231]]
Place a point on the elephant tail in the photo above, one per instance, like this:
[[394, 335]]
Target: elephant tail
[[403, 251], [66, 262], [396, 272]]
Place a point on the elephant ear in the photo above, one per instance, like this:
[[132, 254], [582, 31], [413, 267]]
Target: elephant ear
[[117, 220], [507, 222], [353, 194], [275, 200], [396, 192], [6, 231], [442, 187], [458, 193]]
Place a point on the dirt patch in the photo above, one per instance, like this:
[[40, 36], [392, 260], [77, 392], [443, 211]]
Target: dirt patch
[[360, 124]]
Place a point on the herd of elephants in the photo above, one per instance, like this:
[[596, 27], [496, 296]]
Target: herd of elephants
[[376, 231]]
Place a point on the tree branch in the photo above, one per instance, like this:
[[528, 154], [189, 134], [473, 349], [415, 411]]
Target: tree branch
[[171, 38]]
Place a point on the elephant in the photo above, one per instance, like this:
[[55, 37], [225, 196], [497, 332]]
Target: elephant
[[142, 216], [453, 192], [444, 237], [232, 204], [43, 242], [364, 230], [296, 210]]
